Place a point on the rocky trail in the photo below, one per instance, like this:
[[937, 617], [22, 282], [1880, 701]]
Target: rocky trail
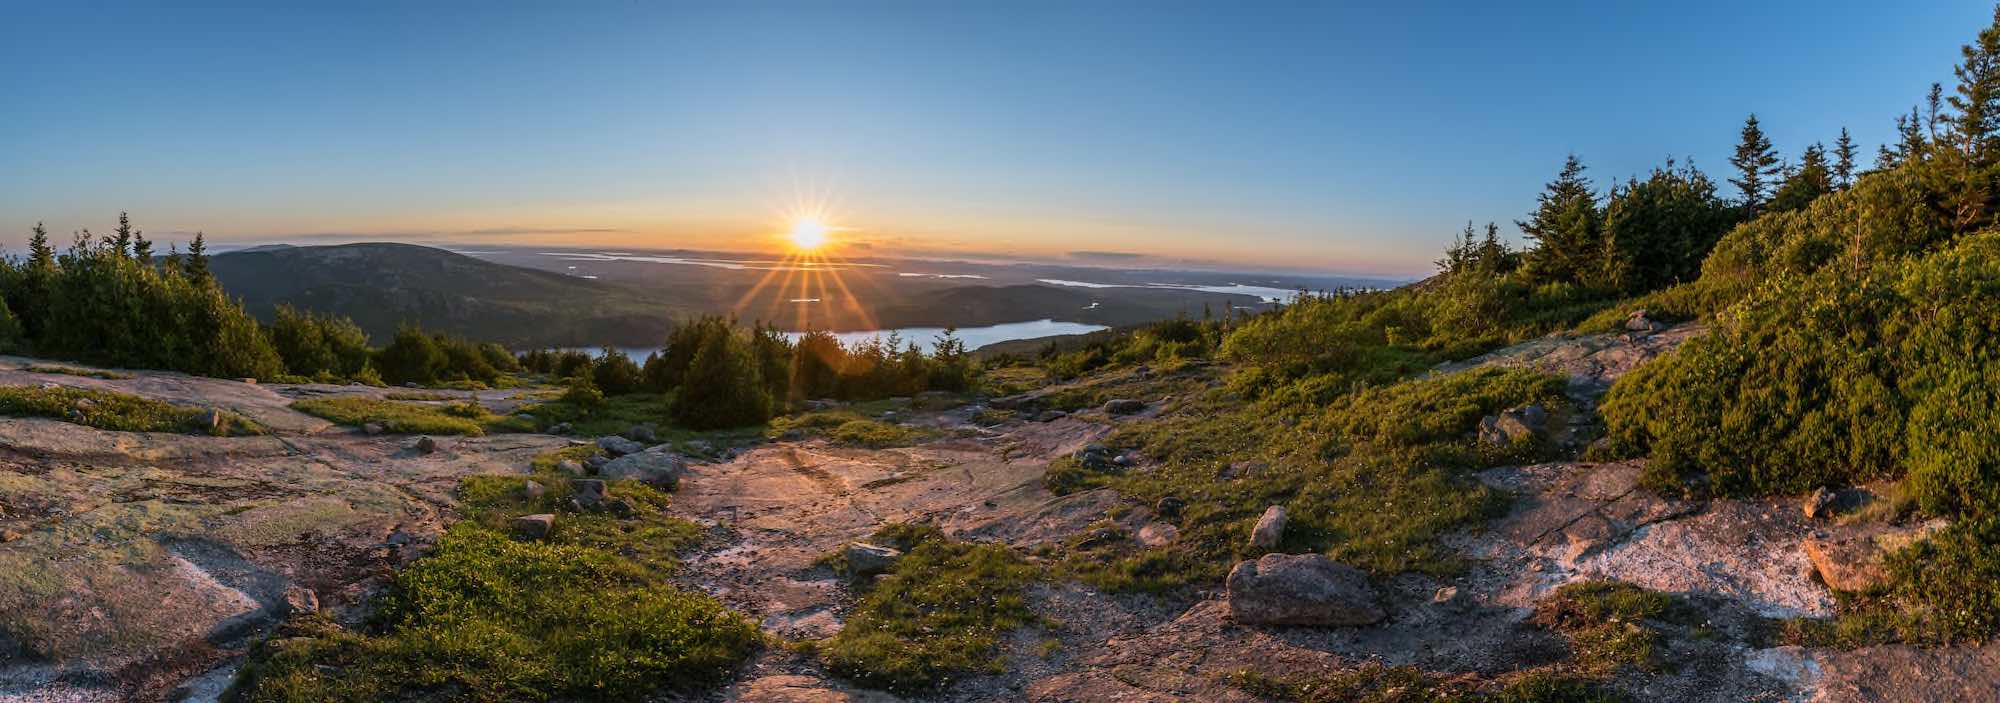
[[140, 566]]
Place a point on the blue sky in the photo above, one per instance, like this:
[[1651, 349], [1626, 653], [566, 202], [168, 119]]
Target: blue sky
[[1338, 137]]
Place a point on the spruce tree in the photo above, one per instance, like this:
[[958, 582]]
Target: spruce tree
[[1973, 130], [195, 263], [1803, 185], [1756, 163], [121, 241], [1567, 226], [41, 256], [1843, 160]]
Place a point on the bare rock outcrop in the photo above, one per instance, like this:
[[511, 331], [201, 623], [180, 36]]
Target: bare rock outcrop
[[1301, 589]]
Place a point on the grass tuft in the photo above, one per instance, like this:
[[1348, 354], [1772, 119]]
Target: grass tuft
[[467, 418]]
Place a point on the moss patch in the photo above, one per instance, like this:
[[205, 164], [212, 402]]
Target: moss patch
[[107, 410], [585, 614], [467, 418], [938, 615]]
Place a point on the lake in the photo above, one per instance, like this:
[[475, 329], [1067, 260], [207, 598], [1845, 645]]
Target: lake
[[974, 337]]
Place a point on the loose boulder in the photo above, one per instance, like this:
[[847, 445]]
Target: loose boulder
[[864, 559], [534, 526], [570, 466], [586, 494], [1515, 425], [619, 446], [426, 444], [644, 432], [1158, 534], [1124, 406], [1301, 589], [1639, 322], [655, 467], [533, 490], [1270, 528]]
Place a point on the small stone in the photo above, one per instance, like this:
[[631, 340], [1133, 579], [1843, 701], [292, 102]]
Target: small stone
[[10, 535], [865, 559], [1241, 469], [596, 462], [561, 428], [1124, 406], [301, 601], [1169, 506], [372, 428], [1445, 594], [1270, 528], [1514, 425], [410, 384], [533, 490], [587, 492], [1820, 503], [1122, 460], [646, 432], [619, 446], [534, 526], [1158, 534], [570, 466], [426, 444], [210, 419], [1639, 322]]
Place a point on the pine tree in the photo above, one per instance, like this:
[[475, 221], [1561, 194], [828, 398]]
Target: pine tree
[[1756, 163], [41, 256], [121, 242], [1803, 185], [142, 248], [1973, 130], [1567, 226], [1843, 160], [195, 264]]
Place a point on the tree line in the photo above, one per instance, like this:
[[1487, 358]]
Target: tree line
[[718, 373]]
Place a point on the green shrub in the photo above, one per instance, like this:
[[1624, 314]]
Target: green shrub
[[723, 386], [411, 357], [615, 374], [939, 614], [314, 346]]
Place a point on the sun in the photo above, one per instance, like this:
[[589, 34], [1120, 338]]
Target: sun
[[808, 234]]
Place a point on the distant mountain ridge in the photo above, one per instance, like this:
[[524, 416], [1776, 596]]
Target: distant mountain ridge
[[383, 285]]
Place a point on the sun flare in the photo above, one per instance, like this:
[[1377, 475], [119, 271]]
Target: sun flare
[[808, 234]]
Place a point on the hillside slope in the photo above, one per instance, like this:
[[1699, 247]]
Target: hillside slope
[[383, 285]]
